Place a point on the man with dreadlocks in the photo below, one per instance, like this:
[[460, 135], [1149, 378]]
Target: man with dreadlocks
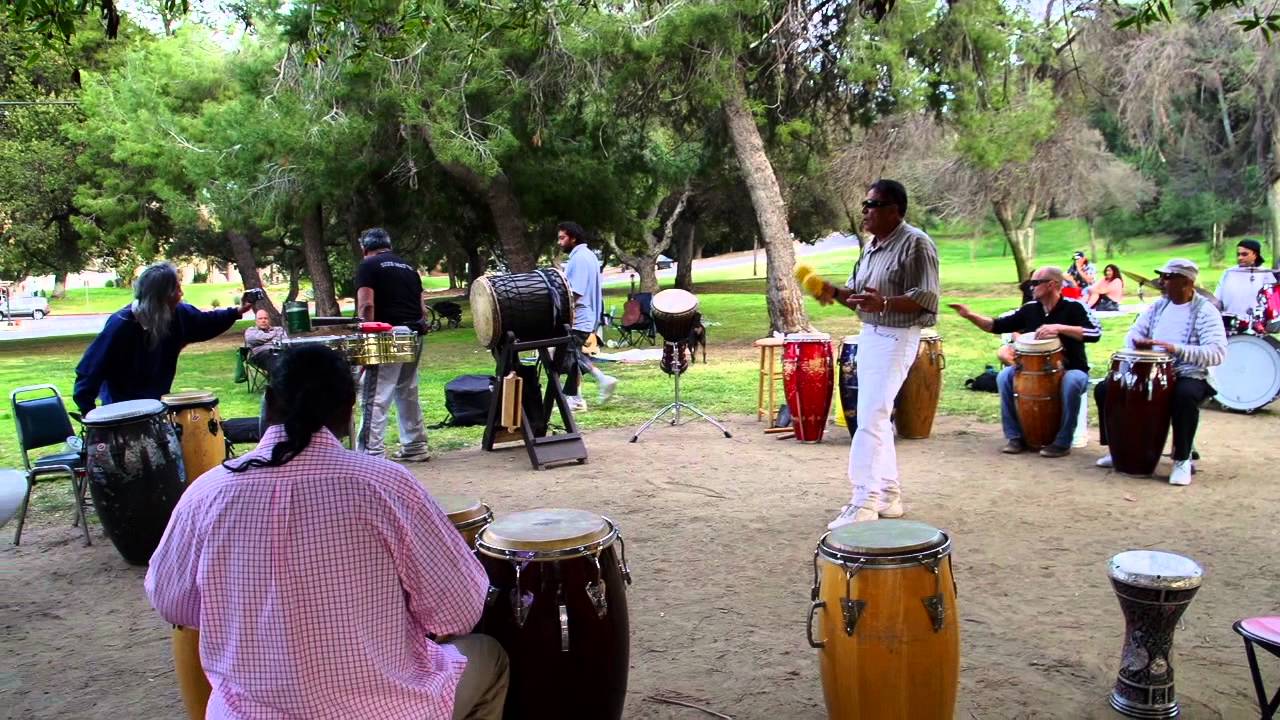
[[326, 583], [136, 355]]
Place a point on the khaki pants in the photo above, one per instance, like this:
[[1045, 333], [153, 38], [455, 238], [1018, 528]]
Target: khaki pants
[[482, 689]]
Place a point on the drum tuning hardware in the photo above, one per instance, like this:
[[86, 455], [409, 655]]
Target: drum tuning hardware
[[934, 604], [808, 626], [491, 596], [815, 588], [622, 562], [213, 426], [851, 609], [596, 591], [519, 608], [564, 627]]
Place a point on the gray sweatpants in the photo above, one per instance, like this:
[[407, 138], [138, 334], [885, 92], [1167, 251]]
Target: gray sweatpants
[[379, 385]]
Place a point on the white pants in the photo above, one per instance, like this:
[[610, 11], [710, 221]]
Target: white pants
[[885, 355], [379, 385]]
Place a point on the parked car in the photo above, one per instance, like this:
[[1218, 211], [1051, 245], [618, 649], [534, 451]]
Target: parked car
[[664, 262], [24, 306]]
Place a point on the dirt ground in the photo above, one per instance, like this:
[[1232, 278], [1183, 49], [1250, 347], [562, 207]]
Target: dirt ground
[[720, 534]]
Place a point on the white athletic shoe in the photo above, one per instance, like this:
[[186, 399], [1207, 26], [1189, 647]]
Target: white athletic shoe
[[891, 508], [852, 514], [577, 404], [608, 384], [1105, 461], [1181, 474]]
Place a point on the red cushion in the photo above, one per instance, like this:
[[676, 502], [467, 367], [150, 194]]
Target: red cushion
[[1263, 629], [1071, 292]]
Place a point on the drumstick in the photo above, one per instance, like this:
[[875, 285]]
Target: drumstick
[[778, 430]]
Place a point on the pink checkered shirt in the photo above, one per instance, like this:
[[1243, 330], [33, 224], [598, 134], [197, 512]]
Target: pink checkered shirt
[[314, 586]]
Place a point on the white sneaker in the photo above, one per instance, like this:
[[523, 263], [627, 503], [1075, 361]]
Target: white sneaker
[[577, 404], [851, 514], [1105, 461], [1181, 474], [891, 508], [608, 384]]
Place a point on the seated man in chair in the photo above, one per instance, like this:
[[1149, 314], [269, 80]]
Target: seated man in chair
[[261, 340]]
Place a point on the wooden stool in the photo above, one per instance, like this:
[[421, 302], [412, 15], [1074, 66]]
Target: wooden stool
[[770, 370]]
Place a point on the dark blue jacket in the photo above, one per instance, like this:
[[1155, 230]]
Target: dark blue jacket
[[120, 365]]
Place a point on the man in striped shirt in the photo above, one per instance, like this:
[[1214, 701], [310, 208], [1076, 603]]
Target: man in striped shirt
[[894, 289], [1188, 327]]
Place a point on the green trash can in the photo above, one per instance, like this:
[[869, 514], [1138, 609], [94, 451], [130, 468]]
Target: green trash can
[[297, 318]]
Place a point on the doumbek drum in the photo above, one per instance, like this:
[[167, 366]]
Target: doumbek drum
[[467, 514], [886, 630], [1154, 589], [849, 382], [135, 473], [558, 605], [675, 312], [196, 419], [1139, 406], [534, 305], [917, 401], [1037, 389], [807, 376]]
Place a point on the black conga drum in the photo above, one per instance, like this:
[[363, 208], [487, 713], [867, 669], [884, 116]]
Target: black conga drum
[[1154, 588], [1139, 406], [135, 473], [534, 305], [849, 382], [558, 605]]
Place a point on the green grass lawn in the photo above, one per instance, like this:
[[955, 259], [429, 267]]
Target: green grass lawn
[[731, 302]]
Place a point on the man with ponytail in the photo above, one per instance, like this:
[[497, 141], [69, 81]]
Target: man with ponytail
[[326, 583]]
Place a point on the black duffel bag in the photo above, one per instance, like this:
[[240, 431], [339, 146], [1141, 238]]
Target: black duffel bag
[[467, 399]]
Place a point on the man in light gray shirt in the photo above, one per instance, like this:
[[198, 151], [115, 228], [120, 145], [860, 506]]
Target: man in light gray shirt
[[261, 340], [583, 272]]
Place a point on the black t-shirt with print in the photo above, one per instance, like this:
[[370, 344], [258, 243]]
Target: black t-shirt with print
[[397, 289], [1067, 311]]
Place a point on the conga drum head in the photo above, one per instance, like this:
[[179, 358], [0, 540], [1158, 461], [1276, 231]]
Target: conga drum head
[[1155, 570], [1158, 356], [484, 312], [929, 335], [885, 538], [850, 340], [549, 532], [807, 337], [123, 412], [463, 511], [1034, 346], [190, 398]]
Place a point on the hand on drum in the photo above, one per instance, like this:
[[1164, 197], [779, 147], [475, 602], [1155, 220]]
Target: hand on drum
[[1044, 332], [1149, 344]]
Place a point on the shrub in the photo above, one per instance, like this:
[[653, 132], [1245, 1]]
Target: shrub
[[110, 284], [216, 303]]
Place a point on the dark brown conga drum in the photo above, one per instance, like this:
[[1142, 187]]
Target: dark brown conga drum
[[534, 305], [558, 605], [917, 401], [1139, 407], [807, 377], [1037, 389], [467, 514]]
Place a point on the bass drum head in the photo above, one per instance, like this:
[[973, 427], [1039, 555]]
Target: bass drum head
[[1249, 377], [544, 530], [484, 312], [123, 412]]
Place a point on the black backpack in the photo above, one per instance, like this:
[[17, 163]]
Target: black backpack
[[467, 399], [986, 382]]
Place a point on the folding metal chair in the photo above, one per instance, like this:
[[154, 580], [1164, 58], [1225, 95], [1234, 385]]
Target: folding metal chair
[[254, 377], [42, 421], [1265, 633]]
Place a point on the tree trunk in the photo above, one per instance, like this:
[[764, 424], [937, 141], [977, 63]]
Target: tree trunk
[[655, 242], [1014, 237], [295, 284], [786, 305], [317, 256], [59, 284], [242, 251], [1273, 190], [684, 256], [475, 266], [1093, 238]]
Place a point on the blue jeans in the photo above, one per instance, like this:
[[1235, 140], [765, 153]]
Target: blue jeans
[[1074, 385]]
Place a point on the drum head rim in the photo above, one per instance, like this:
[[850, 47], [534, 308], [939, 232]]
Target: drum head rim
[[142, 410], [1047, 346], [483, 295], [874, 561], [545, 546], [461, 508], [189, 399], [806, 337], [1141, 356], [929, 537], [674, 294], [1192, 578]]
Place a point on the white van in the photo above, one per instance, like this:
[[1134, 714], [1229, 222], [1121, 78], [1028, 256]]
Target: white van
[[24, 306]]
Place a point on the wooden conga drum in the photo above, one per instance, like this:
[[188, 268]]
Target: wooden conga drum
[[807, 377], [1139, 407], [849, 382], [1154, 589], [196, 419], [467, 514], [917, 401], [1037, 388], [887, 630], [558, 605]]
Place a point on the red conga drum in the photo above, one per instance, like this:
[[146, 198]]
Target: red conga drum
[[1139, 406], [809, 377]]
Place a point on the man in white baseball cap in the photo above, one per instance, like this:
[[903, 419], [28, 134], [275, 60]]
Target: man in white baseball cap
[[1187, 326]]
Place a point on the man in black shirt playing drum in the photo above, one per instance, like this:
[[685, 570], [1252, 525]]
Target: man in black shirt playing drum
[[389, 290], [1048, 315]]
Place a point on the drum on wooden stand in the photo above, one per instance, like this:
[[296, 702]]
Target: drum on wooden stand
[[917, 401], [675, 313], [1139, 404], [467, 514], [196, 419], [534, 305], [135, 473], [1037, 389], [1154, 589], [1249, 378], [808, 376], [849, 382], [883, 618], [558, 605]]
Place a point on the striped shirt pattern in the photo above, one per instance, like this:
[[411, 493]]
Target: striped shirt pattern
[[1204, 344], [903, 263], [314, 586]]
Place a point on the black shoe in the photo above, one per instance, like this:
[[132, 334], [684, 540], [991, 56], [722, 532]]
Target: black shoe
[[1014, 447], [1054, 451]]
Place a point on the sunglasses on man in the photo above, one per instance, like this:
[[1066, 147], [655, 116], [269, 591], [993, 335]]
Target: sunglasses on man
[[1040, 281], [869, 204]]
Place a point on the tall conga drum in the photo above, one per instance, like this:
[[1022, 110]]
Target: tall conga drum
[[883, 618], [135, 473], [917, 401], [467, 514], [1037, 388], [849, 382], [808, 376], [196, 419], [1154, 589], [558, 605], [1139, 407]]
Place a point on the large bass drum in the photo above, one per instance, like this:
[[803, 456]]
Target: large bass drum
[[534, 305], [1250, 376]]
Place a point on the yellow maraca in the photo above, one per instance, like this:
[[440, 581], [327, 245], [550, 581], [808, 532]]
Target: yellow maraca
[[813, 284]]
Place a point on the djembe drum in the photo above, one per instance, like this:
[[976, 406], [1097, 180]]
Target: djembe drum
[[849, 382], [534, 305], [558, 605], [1154, 589], [196, 419], [917, 401], [1139, 404], [675, 314], [807, 377], [1037, 389], [885, 601]]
